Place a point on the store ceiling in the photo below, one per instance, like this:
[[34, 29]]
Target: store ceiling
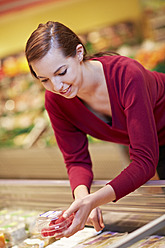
[[7, 6]]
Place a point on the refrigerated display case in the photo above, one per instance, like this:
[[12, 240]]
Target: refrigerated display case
[[138, 216]]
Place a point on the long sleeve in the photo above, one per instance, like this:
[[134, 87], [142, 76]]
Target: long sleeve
[[73, 144], [137, 98], [137, 102]]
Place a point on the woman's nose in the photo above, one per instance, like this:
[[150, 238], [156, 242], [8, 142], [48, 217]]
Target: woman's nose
[[57, 84]]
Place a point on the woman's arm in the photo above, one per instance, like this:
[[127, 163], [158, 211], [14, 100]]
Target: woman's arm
[[137, 95], [80, 191], [82, 208], [72, 142], [95, 218]]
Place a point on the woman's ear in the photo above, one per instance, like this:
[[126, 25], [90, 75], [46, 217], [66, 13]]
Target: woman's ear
[[80, 52]]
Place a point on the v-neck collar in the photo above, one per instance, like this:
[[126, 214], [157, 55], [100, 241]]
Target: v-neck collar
[[108, 89], [92, 112]]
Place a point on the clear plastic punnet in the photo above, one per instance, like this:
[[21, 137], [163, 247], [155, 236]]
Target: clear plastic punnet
[[52, 223]]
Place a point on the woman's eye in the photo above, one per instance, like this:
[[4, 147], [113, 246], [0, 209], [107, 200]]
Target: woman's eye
[[44, 80], [63, 73]]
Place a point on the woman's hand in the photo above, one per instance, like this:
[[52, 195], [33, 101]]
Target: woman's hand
[[86, 210], [95, 219], [84, 216], [81, 208]]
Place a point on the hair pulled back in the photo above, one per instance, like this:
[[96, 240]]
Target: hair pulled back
[[46, 36], [55, 34]]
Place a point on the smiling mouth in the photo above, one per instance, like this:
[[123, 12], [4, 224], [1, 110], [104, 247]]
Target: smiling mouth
[[65, 91]]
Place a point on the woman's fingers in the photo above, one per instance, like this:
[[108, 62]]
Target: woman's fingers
[[72, 209], [82, 215], [100, 218], [81, 210], [81, 218], [95, 219], [77, 224]]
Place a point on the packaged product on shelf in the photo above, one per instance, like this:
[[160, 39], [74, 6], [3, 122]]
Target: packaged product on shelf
[[2, 241], [14, 232], [102, 240], [29, 218], [32, 243], [26, 217], [3, 213], [75, 240], [154, 241], [36, 242], [51, 223]]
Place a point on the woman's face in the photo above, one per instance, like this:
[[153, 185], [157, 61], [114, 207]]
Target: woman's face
[[59, 74]]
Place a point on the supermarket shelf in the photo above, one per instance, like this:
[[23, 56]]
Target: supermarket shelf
[[48, 163], [128, 214], [140, 233]]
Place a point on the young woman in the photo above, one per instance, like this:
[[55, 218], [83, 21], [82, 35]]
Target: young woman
[[112, 98]]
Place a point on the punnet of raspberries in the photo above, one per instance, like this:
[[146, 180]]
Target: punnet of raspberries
[[57, 225]]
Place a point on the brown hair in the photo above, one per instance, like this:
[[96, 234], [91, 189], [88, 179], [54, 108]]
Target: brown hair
[[58, 35], [48, 35]]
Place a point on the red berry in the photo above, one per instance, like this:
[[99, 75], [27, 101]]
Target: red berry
[[52, 223], [44, 232], [60, 220], [59, 225], [51, 231]]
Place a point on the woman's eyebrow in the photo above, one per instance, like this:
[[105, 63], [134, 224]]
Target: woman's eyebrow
[[59, 68], [40, 77], [54, 72]]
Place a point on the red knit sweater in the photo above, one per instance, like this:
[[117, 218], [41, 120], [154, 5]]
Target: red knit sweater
[[137, 99]]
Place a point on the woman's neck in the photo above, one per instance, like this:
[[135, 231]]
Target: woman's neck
[[92, 78]]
